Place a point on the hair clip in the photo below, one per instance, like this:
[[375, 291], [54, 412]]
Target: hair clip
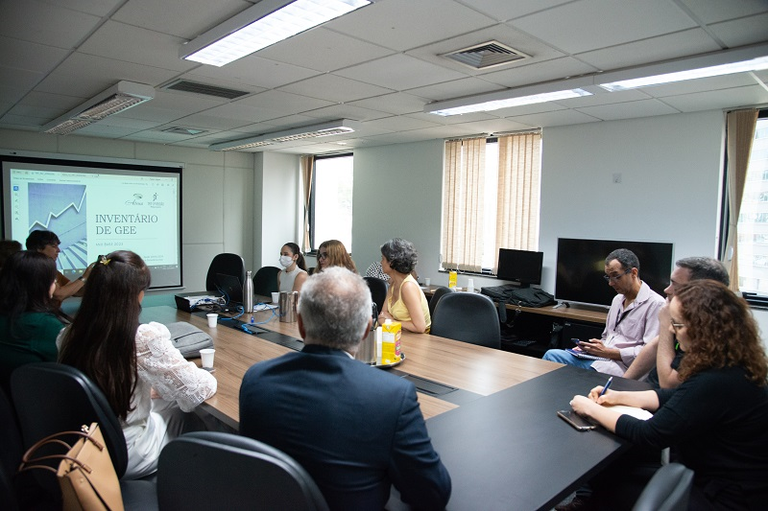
[[105, 261]]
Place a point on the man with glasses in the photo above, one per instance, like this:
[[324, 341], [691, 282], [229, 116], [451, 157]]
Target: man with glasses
[[633, 320], [661, 356]]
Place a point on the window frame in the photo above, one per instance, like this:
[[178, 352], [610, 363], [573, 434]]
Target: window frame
[[311, 217]]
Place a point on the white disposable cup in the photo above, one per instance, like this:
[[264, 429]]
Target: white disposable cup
[[275, 297], [471, 285], [207, 356], [427, 281], [212, 319]]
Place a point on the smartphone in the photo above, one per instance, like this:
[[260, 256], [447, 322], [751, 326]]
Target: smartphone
[[574, 419]]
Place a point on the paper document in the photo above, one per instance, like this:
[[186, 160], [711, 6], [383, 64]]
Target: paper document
[[637, 413], [264, 306], [576, 352]]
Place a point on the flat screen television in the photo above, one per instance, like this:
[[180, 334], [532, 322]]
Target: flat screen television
[[581, 266], [521, 266]]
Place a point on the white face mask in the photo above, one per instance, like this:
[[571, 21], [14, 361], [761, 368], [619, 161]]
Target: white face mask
[[286, 261]]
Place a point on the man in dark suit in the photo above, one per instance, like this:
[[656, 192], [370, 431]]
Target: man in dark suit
[[356, 429]]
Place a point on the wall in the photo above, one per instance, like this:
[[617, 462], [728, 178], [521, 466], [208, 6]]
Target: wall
[[217, 191]]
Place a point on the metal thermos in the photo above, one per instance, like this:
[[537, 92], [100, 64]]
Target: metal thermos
[[288, 306], [367, 350], [248, 293]]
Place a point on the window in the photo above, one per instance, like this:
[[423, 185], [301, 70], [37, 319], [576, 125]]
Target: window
[[331, 201], [753, 218], [490, 199]]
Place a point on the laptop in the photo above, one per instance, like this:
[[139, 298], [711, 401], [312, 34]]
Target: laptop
[[230, 286]]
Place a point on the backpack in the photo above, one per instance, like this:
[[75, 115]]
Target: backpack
[[520, 296]]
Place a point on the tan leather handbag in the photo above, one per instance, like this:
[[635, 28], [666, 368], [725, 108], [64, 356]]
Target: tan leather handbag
[[86, 475]]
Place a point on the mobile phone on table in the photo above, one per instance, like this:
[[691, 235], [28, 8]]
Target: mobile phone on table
[[574, 419]]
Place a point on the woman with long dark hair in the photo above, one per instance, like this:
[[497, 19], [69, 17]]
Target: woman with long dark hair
[[29, 323], [717, 419], [146, 380], [294, 271]]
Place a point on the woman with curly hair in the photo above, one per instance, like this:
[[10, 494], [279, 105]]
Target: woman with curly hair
[[717, 419], [333, 253], [405, 301]]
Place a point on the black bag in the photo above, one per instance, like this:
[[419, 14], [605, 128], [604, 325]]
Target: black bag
[[189, 339], [520, 296]]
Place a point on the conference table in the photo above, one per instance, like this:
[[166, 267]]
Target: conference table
[[491, 414]]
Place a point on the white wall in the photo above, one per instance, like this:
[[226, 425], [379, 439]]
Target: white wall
[[217, 188]]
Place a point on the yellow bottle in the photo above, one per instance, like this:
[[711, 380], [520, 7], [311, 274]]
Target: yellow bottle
[[452, 276], [390, 342]]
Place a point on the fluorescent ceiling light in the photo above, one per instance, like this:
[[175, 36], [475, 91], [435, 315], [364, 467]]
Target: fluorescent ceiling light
[[262, 25], [757, 64], [279, 137], [497, 101], [122, 96]]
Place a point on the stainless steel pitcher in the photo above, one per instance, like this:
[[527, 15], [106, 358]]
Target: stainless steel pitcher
[[288, 301]]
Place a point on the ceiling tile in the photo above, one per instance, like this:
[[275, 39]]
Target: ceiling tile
[[629, 110], [253, 70], [182, 18], [426, 21], [355, 113], [454, 89], [324, 50], [559, 118], [505, 10], [284, 102], [539, 72], [335, 88], [742, 31], [712, 11], [397, 103], [399, 72], [721, 99], [594, 24], [53, 25]]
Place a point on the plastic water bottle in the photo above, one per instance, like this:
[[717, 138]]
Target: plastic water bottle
[[248, 293]]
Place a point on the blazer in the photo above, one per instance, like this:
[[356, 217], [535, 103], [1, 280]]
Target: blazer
[[356, 429]]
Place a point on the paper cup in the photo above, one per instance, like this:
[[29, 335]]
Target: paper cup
[[275, 297], [427, 281], [207, 356], [212, 319]]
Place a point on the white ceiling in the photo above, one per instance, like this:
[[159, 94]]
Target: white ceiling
[[379, 65]]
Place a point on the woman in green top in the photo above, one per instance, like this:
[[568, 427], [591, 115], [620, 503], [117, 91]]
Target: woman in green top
[[28, 322]]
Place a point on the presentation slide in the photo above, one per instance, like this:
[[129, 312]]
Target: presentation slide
[[94, 211]]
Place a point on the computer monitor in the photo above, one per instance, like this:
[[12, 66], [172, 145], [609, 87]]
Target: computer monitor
[[521, 266]]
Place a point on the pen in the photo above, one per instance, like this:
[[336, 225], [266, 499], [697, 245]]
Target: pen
[[607, 384]]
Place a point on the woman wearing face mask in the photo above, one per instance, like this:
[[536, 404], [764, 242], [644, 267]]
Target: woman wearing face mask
[[292, 277]]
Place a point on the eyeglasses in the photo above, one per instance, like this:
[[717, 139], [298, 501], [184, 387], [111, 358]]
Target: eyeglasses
[[677, 326], [322, 255], [614, 278]]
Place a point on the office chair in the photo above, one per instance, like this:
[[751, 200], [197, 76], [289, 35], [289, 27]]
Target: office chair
[[668, 490], [10, 454], [378, 291], [265, 281], [50, 398], [214, 470], [226, 264], [468, 317], [436, 296]]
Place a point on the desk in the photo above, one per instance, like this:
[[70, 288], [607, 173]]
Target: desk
[[504, 449]]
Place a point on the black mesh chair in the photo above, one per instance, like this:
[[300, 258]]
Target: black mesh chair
[[468, 317], [50, 398], [436, 296], [213, 470], [265, 281], [226, 264], [378, 291], [668, 490]]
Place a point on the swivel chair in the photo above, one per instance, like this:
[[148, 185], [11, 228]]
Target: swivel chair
[[51, 398], [225, 264], [378, 291], [265, 281], [436, 296], [468, 317], [668, 490], [238, 473]]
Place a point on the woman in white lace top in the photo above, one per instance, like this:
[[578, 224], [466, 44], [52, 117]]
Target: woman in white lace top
[[148, 383]]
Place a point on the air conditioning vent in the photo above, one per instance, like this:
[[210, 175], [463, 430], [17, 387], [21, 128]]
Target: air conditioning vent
[[485, 55], [205, 89]]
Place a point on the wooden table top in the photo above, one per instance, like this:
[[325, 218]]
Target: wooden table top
[[475, 369]]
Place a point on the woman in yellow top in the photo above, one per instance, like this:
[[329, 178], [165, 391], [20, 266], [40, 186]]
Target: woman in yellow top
[[405, 301]]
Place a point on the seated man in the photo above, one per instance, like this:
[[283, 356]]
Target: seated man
[[661, 356], [355, 429], [632, 321]]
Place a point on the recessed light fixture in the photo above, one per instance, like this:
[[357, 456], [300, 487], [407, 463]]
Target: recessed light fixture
[[510, 98], [326, 129], [757, 64], [262, 25], [121, 96]]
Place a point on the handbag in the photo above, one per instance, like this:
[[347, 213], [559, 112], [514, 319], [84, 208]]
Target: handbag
[[189, 339], [86, 475]]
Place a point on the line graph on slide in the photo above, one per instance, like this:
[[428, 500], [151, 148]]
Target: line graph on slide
[[61, 208]]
